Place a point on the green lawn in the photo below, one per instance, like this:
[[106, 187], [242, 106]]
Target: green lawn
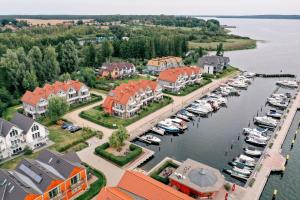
[[190, 88], [64, 141], [10, 112], [227, 72], [98, 116], [94, 98], [156, 174], [229, 44]]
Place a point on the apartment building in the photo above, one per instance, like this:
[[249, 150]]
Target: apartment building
[[52, 176], [35, 103], [117, 70], [213, 64], [175, 79], [19, 133], [157, 65], [127, 99]]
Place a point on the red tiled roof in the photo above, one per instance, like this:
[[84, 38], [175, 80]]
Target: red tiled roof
[[113, 193], [142, 186], [124, 92], [34, 97], [172, 74]]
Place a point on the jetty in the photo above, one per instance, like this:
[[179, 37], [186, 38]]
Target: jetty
[[272, 160], [276, 75]]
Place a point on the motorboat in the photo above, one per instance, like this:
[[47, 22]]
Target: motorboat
[[158, 130], [198, 110], [281, 95], [238, 161], [259, 136], [287, 83], [179, 123], [246, 158], [279, 104], [168, 126], [274, 114], [186, 113], [150, 139], [256, 141], [204, 104], [249, 74], [183, 117], [266, 121], [238, 84], [241, 171], [219, 99], [241, 177], [258, 130], [244, 79], [250, 151]]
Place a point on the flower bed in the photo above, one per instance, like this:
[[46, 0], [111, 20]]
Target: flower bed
[[135, 151]]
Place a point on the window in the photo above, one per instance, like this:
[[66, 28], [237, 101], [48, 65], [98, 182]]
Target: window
[[34, 128], [75, 179], [13, 133], [53, 193]]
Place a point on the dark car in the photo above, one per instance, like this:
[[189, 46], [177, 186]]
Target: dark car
[[65, 125], [74, 129]]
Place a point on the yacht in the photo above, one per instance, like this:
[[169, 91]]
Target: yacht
[[183, 117], [246, 158], [238, 161], [256, 141], [179, 123], [238, 84], [274, 114], [241, 171], [244, 79], [266, 121], [150, 139], [287, 83], [158, 130], [250, 151], [249, 74], [168, 126], [186, 113], [198, 110], [261, 131], [279, 104], [204, 104], [259, 136], [237, 175]]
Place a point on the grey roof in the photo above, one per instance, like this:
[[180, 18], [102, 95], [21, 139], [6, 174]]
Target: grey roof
[[202, 177], [119, 65], [45, 176], [12, 188], [216, 61], [5, 127], [22, 121], [62, 163]]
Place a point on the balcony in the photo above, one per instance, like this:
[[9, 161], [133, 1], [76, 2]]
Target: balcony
[[59, 196], [77, 185], [119, 110], [133, 109], [31, 111], [43, 103]]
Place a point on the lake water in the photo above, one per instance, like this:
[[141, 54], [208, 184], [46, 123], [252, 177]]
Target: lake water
[[208, 140]]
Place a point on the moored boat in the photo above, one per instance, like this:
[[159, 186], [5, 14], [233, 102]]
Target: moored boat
[[266, 121], [150, 139], [255, 141], [274, 114], [168, 126], [250, 151], [158, 130]]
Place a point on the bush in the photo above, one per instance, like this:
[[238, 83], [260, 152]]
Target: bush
[[96, 121], [227, 186], [27, 151], [135, 151], [94, 98], [156, 173]]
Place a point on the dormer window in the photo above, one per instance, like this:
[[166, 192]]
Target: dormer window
[[34, 128], [13, 133]]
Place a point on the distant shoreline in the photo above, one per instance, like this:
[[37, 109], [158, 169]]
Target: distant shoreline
[[291, 17]]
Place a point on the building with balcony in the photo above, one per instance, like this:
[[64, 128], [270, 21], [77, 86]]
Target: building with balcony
[[129, 98], [117, 70], [157, 65], [213, 64], [52, 176], [20, 132], [175, 79], [35, 103]]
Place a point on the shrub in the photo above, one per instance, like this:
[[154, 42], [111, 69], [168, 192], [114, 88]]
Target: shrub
[[156, 173], [135, 151], [27, 151], [227, 186]]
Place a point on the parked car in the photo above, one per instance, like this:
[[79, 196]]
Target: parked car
[[65, 125], [74, 129]]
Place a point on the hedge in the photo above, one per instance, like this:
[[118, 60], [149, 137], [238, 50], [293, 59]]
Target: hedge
[[156, 173], [95, 187], [135, 151], [94, 98], [88, 117]]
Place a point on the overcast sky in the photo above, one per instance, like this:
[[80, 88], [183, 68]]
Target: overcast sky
[[186, 7]]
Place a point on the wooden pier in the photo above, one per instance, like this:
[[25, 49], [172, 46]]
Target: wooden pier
[[276, 75]]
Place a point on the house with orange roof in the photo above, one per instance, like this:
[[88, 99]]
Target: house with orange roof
[[157, 65], [135, 185], [129, 98], [35, 102], [52, 176], [175, 79]]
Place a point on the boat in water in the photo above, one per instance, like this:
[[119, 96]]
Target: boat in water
[[238, 84], [274, 114], [266, 121], [179, 123], [258, 130], [256, 141], [287, 83], [158, 130], [242, 171], [249, 74], [250, 151], [168, 126], [150, 139], [187, 113], [198, 110], [183, 117], [236, 175], [278, 103], [238, 161]]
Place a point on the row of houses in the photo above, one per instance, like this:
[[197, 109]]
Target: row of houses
[[19, 133], [35, 103], [127, 99], [51, 175], [117, 70]]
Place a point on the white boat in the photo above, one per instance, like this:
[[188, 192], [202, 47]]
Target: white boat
[[255, 141], [238, 161], [281, 95], [204, 104], [184, 117], [259, 136], [244, 79], [274, 114], [287, 83], [238, 84], [219, 99], [168, 126], [198, 110], [158, 130], [266, 121], [239, 176], [150, 138], [261, 131], [186, 113], [249, 74], [279, 104], [179, 123], [252, 152], [241, 171], [246, 158]]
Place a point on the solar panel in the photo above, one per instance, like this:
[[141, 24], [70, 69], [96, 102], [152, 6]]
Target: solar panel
[[31, 173]]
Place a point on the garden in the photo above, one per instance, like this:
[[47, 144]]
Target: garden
[[164, 171], [98, 116]]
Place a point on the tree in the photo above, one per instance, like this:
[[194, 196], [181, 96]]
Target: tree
[[35, 59], [64, 77], [107, 50], [50, 63], [86, 75], [69, 57], [29, 81], [57, 107], [89, 52], [200, 52], [116, 140], [220, 50]]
